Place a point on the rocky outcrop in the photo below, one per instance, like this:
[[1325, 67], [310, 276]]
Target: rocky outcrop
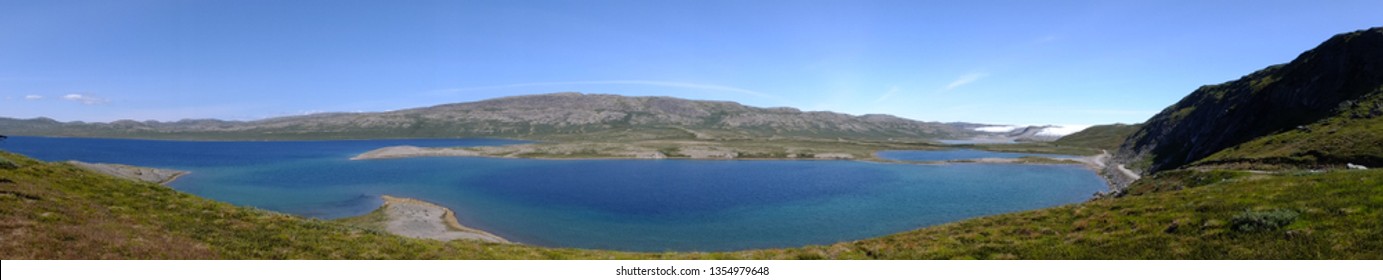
[[1321, 83], [1032, 133], [1119, 177], [146, 174], [833, 156], [701, 152], [645, 155]]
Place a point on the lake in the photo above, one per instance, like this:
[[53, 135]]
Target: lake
[[975, 141], [636, 205], [958, 154]]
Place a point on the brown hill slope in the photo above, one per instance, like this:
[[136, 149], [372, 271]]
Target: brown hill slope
[[544, 116]]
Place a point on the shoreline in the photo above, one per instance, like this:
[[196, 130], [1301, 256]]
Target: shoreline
[[445, 226], [267, 139], [175, 178], [1088, 165], [137, 173], [415, 218], [1099, 164], [1094, 162], [397, 152]]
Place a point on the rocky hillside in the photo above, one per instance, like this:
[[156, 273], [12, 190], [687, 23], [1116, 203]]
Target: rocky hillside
[[1321, 109], [546, 116]]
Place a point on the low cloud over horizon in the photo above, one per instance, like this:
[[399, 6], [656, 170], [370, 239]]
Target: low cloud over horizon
[[84, 99]]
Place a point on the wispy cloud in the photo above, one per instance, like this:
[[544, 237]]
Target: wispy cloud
[[33, 97], [616, 82], [888, 94], [966, 79], [85, 99]]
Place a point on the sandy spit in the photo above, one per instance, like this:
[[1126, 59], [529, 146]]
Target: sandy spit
[[146, 174], [420, 219], [412, 151]]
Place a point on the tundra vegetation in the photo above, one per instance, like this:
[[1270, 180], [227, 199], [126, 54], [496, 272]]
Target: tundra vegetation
[[1253, 168]]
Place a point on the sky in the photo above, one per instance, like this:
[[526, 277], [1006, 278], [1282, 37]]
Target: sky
[[998, 62]]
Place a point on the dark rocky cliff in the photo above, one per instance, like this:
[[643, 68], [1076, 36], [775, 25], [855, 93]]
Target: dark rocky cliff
[[1334, 79]]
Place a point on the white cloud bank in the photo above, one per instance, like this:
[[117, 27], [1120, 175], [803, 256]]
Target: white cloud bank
[[33, 97], [1051, 130], [997, 128], [85, 99], [1062, 130]]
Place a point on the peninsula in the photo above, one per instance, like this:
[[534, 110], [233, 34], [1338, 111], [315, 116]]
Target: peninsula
[[138, 173], [419, 219]]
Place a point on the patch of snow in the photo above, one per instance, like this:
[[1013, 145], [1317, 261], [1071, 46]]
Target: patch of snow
[[997, 128], [1062, 130], [1048, 130]]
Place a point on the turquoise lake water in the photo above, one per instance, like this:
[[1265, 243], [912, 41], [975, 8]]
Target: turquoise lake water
[[956, 154], [976, 141], [637, 205]]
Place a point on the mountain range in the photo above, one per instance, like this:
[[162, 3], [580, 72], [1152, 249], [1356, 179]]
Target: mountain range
[[543, 116]]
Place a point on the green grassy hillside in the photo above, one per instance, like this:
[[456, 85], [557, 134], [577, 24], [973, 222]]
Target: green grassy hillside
[[1320, 109], [1106, 137], [57, 211], [1354, 137], [1334, 215]]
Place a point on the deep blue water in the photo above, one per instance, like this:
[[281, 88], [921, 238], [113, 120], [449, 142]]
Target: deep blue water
[[641, 205], [956, 154]]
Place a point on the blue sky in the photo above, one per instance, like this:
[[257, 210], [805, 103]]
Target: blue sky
[[1003, 62]]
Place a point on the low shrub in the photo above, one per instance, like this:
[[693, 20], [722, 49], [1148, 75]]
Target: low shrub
[[8, 164], [1252, 221]]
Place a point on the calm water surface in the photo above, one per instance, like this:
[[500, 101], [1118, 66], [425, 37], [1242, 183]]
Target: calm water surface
[[640, 205], [975, 141], [957, 154]]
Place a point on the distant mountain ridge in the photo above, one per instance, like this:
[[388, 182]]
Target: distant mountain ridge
[[1322, 108], [543, 116]]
